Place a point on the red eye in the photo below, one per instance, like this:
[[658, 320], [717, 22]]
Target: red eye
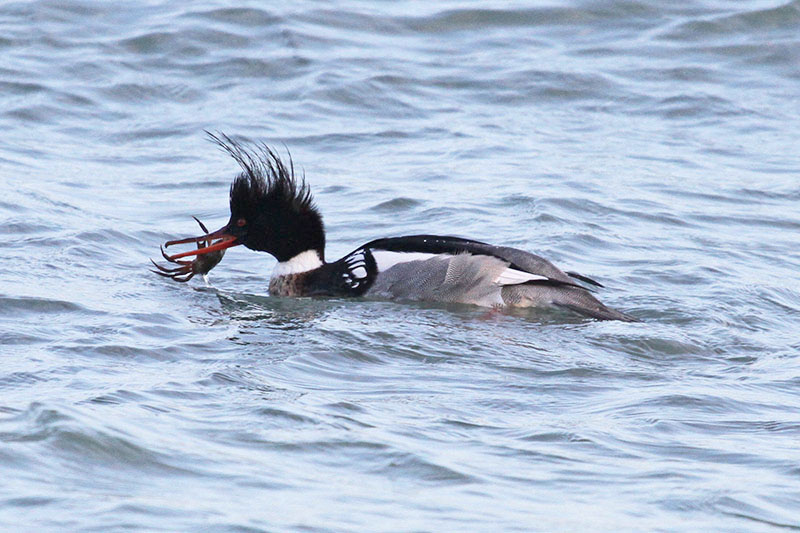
[[241, 222]]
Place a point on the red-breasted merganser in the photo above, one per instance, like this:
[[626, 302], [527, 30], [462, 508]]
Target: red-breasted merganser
[[272, 211]]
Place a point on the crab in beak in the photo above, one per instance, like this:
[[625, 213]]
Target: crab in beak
[[210, 250]]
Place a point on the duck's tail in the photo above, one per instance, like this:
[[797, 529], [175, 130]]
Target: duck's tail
[[573, 298]]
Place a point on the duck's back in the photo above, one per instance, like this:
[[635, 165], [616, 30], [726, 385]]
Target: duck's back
[[448, 269]]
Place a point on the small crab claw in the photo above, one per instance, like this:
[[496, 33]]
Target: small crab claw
[[202, 226], [183, 272], [202, 264]]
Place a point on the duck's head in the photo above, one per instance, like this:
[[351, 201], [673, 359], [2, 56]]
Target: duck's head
[[271, 209]]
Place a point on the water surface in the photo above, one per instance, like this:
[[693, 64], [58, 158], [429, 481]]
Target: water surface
[[650, 146]]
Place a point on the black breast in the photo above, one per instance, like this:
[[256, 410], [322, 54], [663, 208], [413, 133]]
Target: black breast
[[351, 275]]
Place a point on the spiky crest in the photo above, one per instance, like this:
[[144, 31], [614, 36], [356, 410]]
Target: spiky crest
[[264, 175]]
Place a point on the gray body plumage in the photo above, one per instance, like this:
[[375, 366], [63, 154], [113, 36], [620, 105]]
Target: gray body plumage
[[460, 278], [470, 279]]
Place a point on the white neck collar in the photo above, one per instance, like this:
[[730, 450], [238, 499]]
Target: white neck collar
[[302, 262]]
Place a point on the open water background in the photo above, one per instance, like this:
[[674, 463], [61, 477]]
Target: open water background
[[651, 145]]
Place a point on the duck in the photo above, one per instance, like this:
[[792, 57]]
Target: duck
[[272, 210]]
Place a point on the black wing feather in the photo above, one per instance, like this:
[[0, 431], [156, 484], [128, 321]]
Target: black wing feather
[[585, 279]]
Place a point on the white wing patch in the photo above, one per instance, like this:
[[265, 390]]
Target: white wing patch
[[512, 276], [385, 259]]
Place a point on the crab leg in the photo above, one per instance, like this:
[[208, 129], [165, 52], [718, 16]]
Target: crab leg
[[164, 254], [183, 269]]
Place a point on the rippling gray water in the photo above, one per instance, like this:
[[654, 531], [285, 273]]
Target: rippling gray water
[[650, 145]]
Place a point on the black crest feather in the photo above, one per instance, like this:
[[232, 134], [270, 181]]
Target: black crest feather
[[271, 207], [264, 175]]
